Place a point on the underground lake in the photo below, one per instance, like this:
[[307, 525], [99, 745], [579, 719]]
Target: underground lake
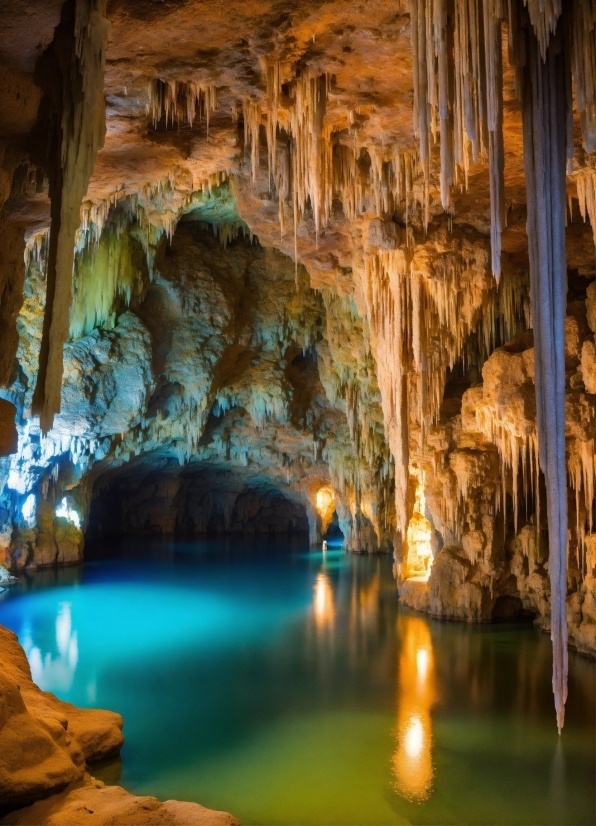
[[287, 685]]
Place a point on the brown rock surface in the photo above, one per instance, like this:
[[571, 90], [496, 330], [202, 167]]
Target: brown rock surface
[[8, 431], [90, 803], [44, 742]]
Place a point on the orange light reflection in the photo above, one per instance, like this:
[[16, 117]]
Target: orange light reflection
[[323, 603], [412, 759]]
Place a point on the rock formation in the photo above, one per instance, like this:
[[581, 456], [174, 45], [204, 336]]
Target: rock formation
[[62, 742], [61, 739], [320, 250]]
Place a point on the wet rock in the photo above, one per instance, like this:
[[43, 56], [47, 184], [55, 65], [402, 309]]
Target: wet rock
[[44, 742], [91, 803]]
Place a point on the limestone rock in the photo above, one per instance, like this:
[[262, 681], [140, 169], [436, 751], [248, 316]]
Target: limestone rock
[[591, 305], [96, 399], [383, 235], [588, 365], [45, 747], [90, 803], [44, 742], [454, 593]]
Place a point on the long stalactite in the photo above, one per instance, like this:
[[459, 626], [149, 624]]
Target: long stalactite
[[544, 85], [458, 96], [458, 101], [546, 111], [72, 76]]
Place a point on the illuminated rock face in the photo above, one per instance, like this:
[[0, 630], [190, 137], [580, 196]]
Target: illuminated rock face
[[270, 301], [210, 405]]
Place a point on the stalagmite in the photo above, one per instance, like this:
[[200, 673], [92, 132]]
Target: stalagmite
[[77, 129], [545, 111]]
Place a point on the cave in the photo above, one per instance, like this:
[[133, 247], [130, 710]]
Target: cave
[[200, 502], [297, 412]]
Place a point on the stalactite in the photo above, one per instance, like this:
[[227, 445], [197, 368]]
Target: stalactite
[[544, 15], [101, 274], [179, 101], [581, 475], [458, 83], [545, 111], [518, 452], [585, 181], [493, 14], [252, 123], [77, 132], [422, 113], [12, 276], [309, 168], [387, 298]]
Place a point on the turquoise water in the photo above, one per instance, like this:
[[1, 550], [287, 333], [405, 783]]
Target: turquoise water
[[287, 687]]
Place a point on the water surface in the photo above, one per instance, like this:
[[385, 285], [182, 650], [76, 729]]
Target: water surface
[[288, 687]]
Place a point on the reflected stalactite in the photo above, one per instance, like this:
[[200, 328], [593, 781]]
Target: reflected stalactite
[[412, 760], [55, 672]]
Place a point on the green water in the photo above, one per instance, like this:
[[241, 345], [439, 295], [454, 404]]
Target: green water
[[288, 687]]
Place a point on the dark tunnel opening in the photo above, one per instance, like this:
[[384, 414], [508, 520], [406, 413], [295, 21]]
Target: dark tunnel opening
[[200, 502]]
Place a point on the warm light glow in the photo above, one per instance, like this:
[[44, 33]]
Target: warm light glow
[[325, 501], [324, 604], [412, 760], [69, 513], [419, 537], [422, 663], [414, 737]]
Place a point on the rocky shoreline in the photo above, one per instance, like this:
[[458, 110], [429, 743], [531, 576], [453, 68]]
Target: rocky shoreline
[[47, 752]]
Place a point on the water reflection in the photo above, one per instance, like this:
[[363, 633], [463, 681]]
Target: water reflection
[[412, 760], [323, 602], [54, 672], [311, 675]]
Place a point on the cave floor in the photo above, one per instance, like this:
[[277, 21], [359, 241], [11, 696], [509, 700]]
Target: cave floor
[[287, 686]]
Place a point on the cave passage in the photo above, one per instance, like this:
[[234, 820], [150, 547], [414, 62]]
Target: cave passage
[[207, 502]]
